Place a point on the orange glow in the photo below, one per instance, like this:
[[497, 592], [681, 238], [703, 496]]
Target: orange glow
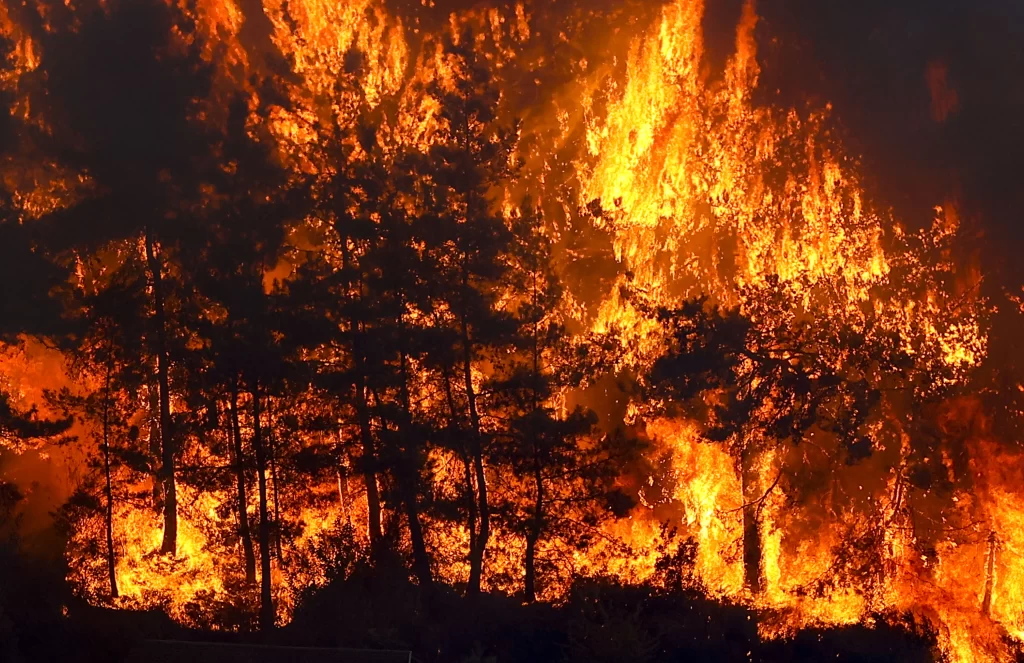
[[704, 192]]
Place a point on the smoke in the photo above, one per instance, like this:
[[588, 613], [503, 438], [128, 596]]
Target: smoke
[[45, 474], [881, 65]]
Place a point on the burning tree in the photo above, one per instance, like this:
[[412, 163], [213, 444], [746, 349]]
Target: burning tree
[[470, 158], [137, 156], [568, 466]]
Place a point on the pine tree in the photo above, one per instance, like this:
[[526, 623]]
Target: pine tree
[[568, 466], [779, 372], [466, 241], [137, 154], [240, 238], [102, 357]]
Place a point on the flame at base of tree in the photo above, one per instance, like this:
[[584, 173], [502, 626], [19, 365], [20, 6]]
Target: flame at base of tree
[[696, 530]]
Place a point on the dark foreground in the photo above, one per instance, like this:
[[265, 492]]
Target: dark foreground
[[600, 622]]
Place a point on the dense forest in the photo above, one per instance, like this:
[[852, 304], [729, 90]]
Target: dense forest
[[487, 344]]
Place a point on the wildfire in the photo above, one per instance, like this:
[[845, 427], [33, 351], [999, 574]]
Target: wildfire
[[700, 191]]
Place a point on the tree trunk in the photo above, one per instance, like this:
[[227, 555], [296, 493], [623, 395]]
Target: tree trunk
[[369, 467], [990, 564], [411, 486], [369, 459], [751, 526], [475, 204], [152, 393], [479, 547], [272, 440], [343, 493], [241, 494], [420, 556], [467, 476], [266, 596], [111, 561], [170, 538], [536, 526], [530, 581]]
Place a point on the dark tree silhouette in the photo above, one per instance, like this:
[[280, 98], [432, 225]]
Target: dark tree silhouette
[[467, 239], [138, 153]]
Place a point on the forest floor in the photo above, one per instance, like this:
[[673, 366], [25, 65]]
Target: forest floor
[[600, 622]]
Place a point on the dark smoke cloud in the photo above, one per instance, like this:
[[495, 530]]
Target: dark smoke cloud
[[872, 60]]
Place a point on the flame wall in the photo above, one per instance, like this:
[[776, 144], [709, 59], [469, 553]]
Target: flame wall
[[708, 187]]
